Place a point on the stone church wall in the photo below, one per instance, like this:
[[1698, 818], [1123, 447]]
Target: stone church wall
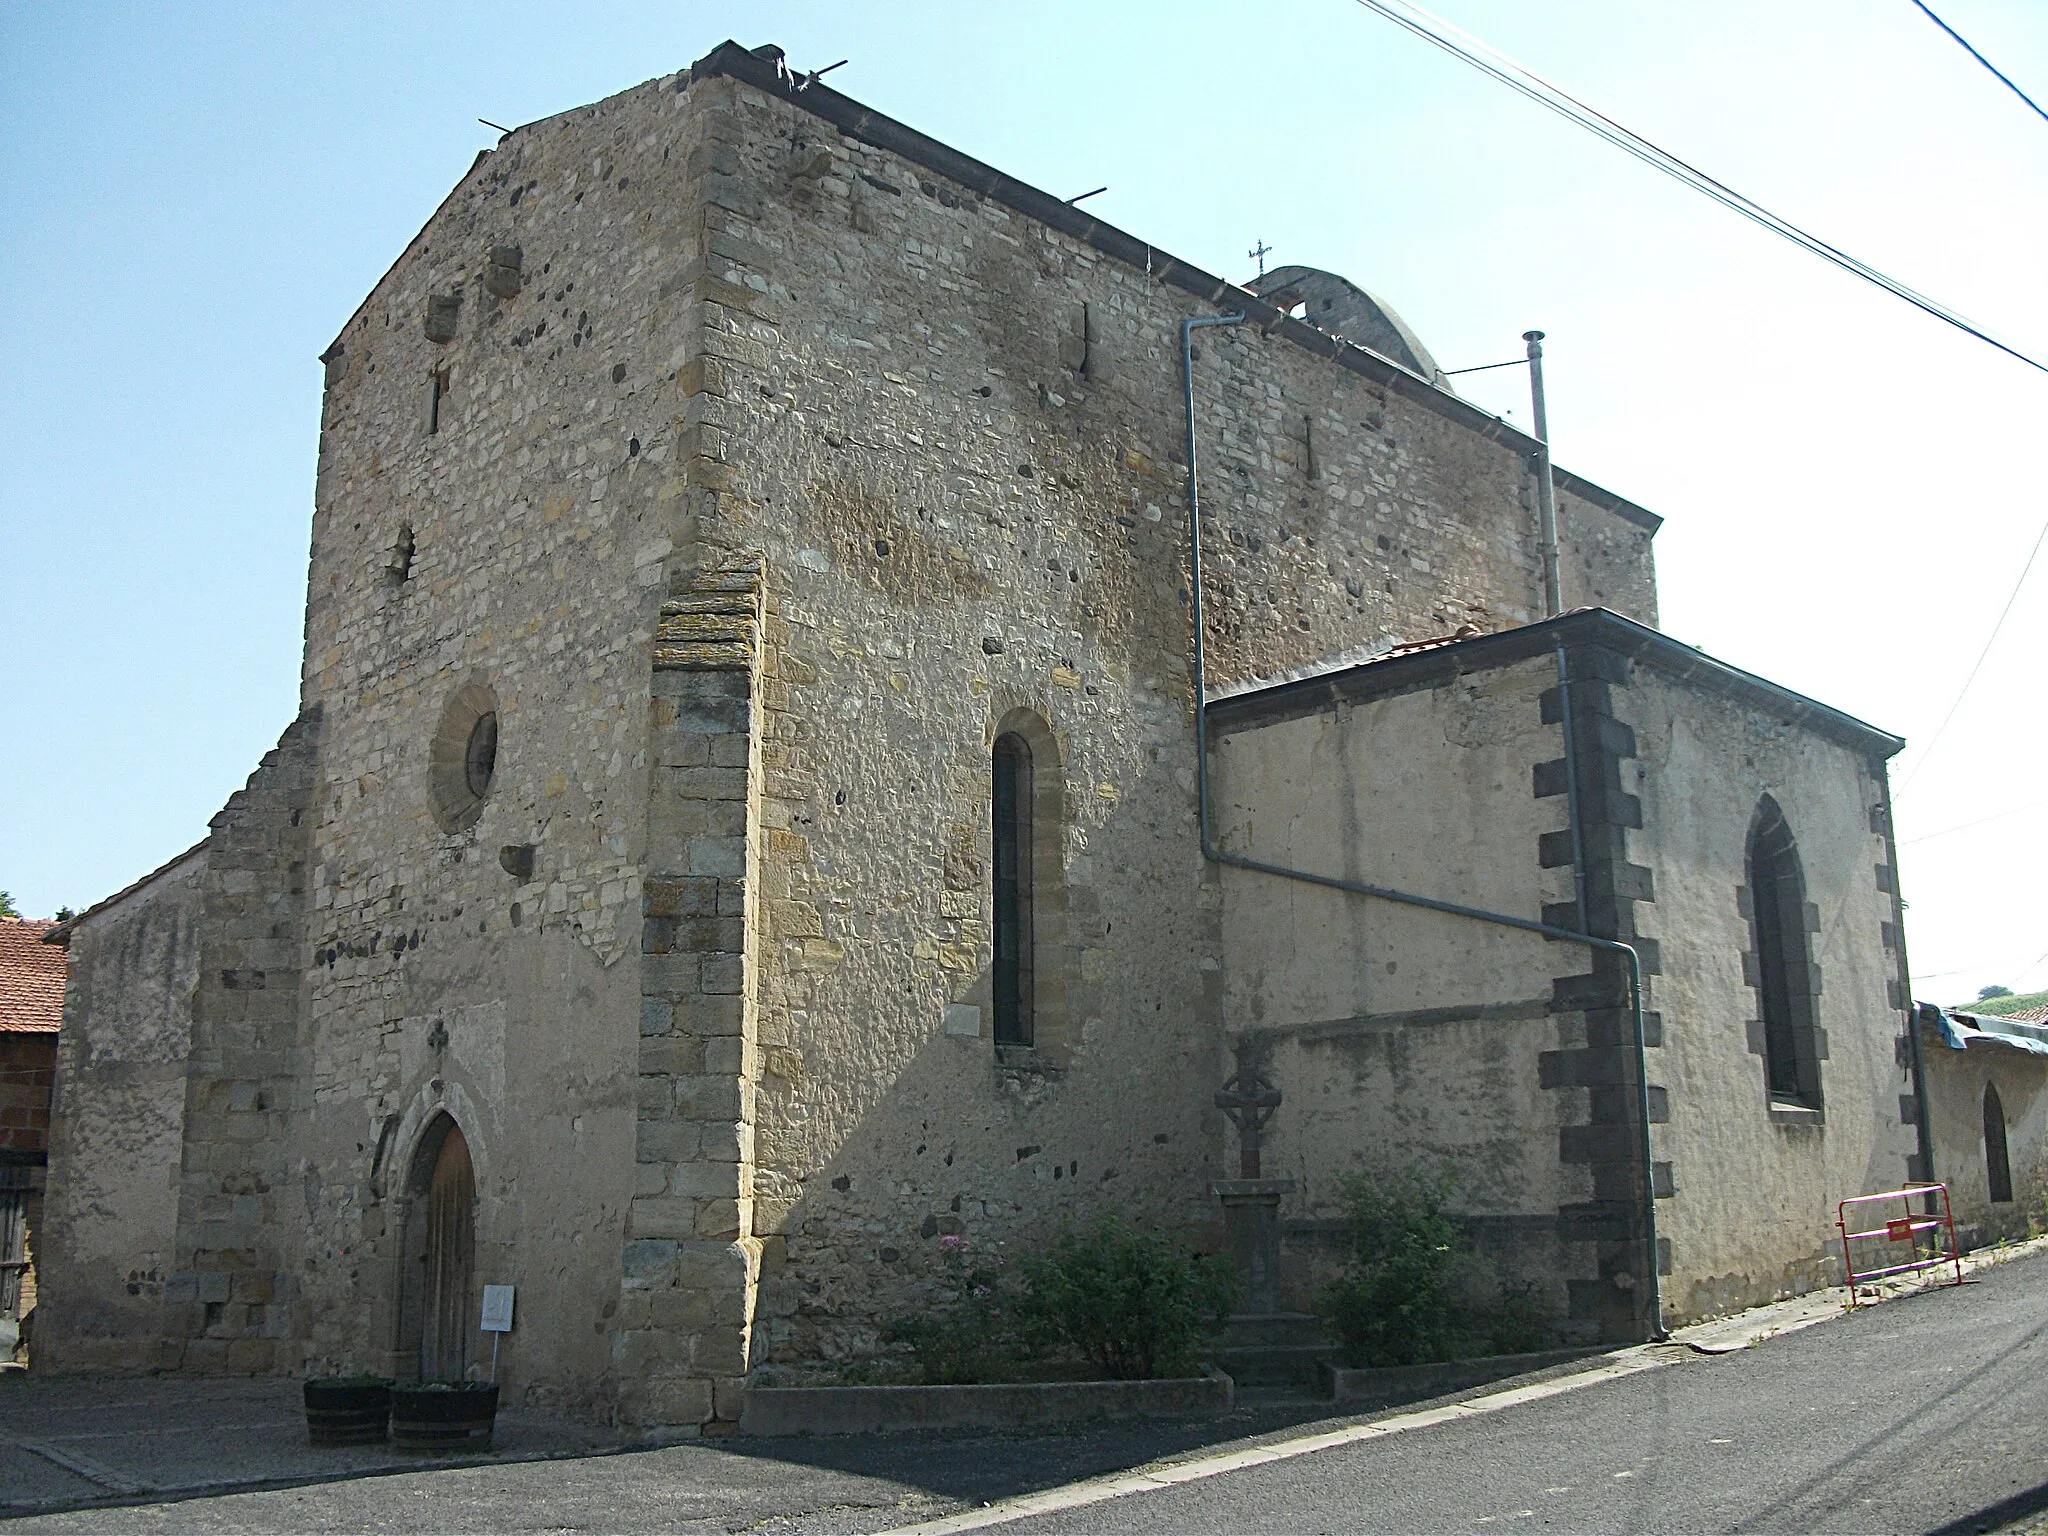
[[500, 493], [229, 1300], [692, 330], [1956, 1081], [1400, 1036], [110, 1239], [1442, 774], [953, 433], [1751, 1216]]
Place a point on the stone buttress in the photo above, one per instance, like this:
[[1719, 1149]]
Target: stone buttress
[[228, 1303], [692, 1260]]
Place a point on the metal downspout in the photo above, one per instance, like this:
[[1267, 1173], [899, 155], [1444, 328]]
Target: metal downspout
[[1382, 893]]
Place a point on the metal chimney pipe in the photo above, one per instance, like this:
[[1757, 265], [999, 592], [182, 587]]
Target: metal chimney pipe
[[1546, 488]]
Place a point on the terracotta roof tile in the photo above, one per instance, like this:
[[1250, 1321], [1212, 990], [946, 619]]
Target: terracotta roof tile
[[2030, 1016], [31, 978], [1410, 647]]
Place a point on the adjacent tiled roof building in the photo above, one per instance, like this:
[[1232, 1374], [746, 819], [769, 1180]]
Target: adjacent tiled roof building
[[31, 978], [31, 1008]]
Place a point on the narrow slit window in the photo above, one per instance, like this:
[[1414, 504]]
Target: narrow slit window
[[1011, 799], [1784, 979], [437, 394], [1996, 1163], [398, 566]]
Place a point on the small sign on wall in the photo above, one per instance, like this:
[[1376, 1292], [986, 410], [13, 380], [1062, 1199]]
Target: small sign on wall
[[497, 1309]]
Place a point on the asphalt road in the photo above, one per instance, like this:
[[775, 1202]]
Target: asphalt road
[[1928, 1414]]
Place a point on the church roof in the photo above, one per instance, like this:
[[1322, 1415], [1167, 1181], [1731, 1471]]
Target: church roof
[[1433, 662], [60, 933], [31, 978]]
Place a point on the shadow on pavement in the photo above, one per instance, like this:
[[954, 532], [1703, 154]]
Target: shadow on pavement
[[142, 1442], [2004, 1515]]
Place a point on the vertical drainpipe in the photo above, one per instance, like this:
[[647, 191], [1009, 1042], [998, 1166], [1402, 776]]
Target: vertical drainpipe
[[1216, 855], [1546, 485]]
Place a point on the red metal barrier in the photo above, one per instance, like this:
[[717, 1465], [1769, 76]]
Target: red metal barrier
[[1908, 1226]]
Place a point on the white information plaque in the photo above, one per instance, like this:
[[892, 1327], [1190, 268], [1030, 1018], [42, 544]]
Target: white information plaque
[[497, 1309]]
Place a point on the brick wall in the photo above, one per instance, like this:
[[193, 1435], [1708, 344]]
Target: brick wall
[[28, 1066]]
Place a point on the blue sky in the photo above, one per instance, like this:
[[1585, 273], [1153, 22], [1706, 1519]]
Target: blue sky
[[194, 197]]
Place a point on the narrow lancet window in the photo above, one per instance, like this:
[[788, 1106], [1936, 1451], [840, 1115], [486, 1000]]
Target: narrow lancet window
[[1011, 799], [1996, 1163], [1784, 979], [437, 393]]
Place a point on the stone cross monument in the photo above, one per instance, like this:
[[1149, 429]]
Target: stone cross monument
[[1251, 1202]]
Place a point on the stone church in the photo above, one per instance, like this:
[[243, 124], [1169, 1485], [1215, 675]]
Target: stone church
[[777, 783]]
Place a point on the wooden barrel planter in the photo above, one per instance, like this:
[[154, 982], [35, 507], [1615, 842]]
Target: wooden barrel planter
[[444, 1417], [347, 1410]]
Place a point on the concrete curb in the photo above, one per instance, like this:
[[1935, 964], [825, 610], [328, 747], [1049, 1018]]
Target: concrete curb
[[772, 1411]]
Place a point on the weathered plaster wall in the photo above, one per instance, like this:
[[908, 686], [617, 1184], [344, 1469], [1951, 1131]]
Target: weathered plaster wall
[[1752, 1215], [1398, 1035], [110, 1234], [1955, 1100]]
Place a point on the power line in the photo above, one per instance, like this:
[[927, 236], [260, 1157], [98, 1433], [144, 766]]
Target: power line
[[1526, 82], [1973, 53], [1982, 821], [1992, 639]]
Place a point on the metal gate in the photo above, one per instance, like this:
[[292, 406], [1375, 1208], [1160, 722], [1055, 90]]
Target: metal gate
[[1929, 1239]]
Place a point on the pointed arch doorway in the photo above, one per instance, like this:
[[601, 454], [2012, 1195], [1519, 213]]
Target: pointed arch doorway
[[439, 1277]]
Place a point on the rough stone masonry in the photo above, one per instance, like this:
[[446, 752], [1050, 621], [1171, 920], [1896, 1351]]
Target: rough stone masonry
[[713, 480]]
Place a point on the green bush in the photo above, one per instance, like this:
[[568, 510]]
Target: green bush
[[1130, 1303], [1516, 1322], [1398, 1302], [1121, 1303], [972, 1335], [2009, 1003], [1414, 1293]]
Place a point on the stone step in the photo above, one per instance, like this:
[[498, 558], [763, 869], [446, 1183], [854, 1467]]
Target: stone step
[[1256, 1330]]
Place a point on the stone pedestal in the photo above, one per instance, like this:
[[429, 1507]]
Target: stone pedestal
[[1251, 1226]]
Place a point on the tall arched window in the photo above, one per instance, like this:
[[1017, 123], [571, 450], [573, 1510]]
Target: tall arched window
[[1996, 1164], [1784, 975], [1011, 801]]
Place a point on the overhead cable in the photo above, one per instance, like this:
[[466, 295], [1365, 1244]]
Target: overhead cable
[[1525, 81], [1973, 53], [1989, 641], [1981, 821]]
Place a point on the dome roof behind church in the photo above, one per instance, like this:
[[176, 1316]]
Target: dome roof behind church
[[1341, 307]]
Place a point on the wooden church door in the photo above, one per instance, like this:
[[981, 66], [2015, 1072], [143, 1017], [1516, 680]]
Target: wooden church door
[[449, 1263]]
